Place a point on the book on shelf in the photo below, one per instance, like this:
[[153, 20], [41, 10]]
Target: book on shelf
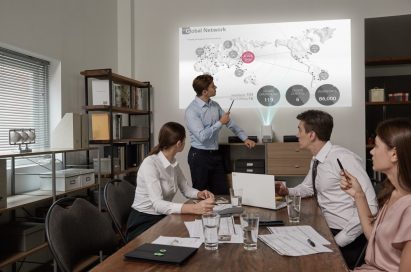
[[100, 92], [117, 124], [100, 126], [121, 95]]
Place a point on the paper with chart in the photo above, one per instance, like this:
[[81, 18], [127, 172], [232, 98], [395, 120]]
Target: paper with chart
[[305, 64], [295, 240]]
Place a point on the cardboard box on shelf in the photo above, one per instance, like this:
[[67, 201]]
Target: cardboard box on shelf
[[376, 95], [67, 179]]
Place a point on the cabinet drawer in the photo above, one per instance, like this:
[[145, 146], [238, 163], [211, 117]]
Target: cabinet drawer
[[286, 150], [287, 159], [288, 167]]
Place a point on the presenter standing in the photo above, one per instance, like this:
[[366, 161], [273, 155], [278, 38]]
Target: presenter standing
[[204, 119]]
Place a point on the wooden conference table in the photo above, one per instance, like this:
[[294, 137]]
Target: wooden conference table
[[232, 257]]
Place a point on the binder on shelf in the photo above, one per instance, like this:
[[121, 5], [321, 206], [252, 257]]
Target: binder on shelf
[[100, 126], [100, 92]]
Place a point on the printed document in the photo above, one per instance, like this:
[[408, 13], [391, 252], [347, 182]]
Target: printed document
[[295, 240]]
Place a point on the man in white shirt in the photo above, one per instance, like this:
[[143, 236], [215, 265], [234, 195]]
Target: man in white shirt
[[323, 182]]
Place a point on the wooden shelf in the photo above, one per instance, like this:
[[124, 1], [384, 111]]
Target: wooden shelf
[[115, 109], [14, 257], [387, 103], [388, 61], [105, 73]]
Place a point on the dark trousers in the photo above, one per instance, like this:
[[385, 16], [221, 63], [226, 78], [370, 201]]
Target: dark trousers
[[138, 222], [207, 171], [352, 251]]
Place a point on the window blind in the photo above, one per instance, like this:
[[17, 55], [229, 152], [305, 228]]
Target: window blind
[[24, 97]]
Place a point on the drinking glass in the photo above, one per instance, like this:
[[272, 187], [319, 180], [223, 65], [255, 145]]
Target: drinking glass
[[211, 223], [294, 208], [236, 196], [249, 224]]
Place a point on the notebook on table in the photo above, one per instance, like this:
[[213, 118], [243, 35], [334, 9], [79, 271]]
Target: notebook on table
[[161, 253], [258, 190]]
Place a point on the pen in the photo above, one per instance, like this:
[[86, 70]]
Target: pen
[[311, 242], [342, 168]]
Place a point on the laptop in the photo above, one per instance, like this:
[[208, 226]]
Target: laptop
[[258, 190]]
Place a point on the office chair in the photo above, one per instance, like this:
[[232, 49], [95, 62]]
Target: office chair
[[119, 196], [78, 233]]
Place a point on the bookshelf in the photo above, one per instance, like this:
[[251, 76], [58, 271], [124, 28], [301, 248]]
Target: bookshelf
[[120, 119]]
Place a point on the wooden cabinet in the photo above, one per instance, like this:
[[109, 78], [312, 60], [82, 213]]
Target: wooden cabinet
[[120, 119], [287, 159]]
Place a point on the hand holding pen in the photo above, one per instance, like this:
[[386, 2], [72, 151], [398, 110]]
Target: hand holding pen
[[349, 183]]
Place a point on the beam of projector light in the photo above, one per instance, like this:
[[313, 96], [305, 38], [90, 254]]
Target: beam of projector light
[[267, 115]]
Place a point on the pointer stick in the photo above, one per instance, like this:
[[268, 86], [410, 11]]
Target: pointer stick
[[230, 106]]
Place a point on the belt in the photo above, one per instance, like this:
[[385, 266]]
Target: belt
[[206, 151]]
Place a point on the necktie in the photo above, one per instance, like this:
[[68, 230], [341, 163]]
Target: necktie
[[314, 175]]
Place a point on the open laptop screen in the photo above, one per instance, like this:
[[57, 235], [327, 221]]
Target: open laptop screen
[[258, 190]]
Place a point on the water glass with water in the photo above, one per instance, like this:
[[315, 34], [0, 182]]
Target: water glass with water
[[249, 224], [294, 208], [211, 224], [236, 196]]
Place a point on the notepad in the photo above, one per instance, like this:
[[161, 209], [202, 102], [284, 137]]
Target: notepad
[[161, 253]]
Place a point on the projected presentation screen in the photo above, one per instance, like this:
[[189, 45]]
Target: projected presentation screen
[[294, 64]]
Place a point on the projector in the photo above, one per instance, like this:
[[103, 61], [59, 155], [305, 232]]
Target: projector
[[266, 134]]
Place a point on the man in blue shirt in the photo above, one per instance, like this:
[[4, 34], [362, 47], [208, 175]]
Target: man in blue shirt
[[204, 119]]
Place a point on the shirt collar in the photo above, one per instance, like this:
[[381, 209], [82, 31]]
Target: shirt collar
[[322, 154], [201, 103], [165, 162]]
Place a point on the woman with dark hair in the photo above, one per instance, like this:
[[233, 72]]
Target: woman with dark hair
[[389, 234], [158, 179]]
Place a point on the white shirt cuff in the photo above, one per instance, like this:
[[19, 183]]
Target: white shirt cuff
[[176, 207], [342, 239]]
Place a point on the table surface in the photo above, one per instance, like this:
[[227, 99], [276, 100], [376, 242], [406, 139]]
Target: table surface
[[232, 257]]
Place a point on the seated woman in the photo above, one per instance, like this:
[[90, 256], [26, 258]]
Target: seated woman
[[158, 179], [389, 234]]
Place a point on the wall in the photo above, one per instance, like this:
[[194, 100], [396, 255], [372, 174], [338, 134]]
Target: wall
[[75, 35], [156, 54]]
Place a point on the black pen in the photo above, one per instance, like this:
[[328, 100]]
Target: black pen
[[311, 242], [342, 168]]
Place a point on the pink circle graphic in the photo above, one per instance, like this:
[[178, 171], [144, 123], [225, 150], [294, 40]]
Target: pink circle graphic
[[248, 57]]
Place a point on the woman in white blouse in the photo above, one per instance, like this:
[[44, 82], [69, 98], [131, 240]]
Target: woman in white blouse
[[158, 179]]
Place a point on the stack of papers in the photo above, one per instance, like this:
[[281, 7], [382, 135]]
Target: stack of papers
[[295, 240], [227, 228]]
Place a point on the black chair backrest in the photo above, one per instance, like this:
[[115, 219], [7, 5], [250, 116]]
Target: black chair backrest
[[76, 230], [119, 196]]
